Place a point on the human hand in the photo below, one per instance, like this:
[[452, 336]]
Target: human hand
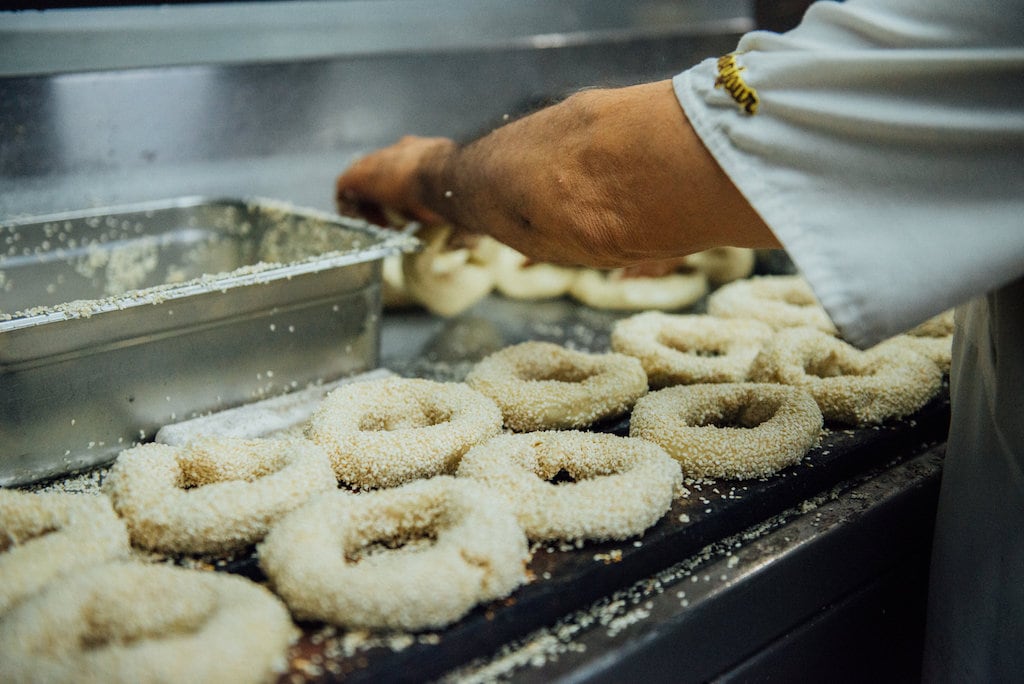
[[606, 178], [655, 269], [389, 181]]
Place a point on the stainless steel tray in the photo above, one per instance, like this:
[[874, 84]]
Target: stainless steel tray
[[115, 322]]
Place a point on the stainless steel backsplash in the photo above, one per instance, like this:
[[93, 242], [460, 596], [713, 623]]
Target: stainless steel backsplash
[[105, 107]]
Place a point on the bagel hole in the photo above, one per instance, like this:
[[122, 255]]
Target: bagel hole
[[828, 366], [104, 635], [684, 346], [195, 474], [746, 416], [389, 421], [157, 617], [560, 374], [204, 463], [8, 540], [562, 477], [414, 542]]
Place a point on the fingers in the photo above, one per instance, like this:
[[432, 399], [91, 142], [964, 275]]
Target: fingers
[[387, 181]]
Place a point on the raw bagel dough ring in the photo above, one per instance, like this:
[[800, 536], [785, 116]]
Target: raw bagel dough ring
[[621, 485], [215, 494], [938, 350], [723, 265], [779, 301], [477, 553], [516, 279], [609, 290], [447, 281], [732, 431], [387, 432], [135, 622], [43, 536], [542, 386], [933, 338], [678, 349], [941, 325], [851, 386], [393, 293]]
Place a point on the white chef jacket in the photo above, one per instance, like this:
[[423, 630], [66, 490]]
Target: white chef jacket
[[883, 143]]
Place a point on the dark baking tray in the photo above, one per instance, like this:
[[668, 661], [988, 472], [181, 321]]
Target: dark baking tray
[[568, 580]]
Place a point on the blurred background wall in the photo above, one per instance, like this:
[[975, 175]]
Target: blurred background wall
[[110, 105]]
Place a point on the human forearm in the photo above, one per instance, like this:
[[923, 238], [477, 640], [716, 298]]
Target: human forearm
[[605, 178]]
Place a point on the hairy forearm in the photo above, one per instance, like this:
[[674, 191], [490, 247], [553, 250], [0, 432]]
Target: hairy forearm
[[606, 178]]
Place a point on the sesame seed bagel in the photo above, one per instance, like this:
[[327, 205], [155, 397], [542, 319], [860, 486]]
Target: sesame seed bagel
[[680, 349], [610, 290], [43, 536], [387, 432], [620, 487], [418, 556], [938, 350], [851, 386], [544, 386], [139, 623], [214, 494], [730, 431], [933, 338], [779, 301], [941, 325]]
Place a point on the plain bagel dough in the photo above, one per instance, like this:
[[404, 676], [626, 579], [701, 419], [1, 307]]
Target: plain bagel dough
[[610, 290]]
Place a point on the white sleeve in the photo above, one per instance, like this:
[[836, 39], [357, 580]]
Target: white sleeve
[[883, 143]]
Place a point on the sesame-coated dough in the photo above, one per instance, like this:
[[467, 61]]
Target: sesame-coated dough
[[419, 556], [939, 350], [941, 325], [779, 301], [138, 623], [732, 431], [933, 338], [851, 386], [610, 290], [214, 494], [43, 536], [544, 386], [621, 486], [677, 349], [387, 432]]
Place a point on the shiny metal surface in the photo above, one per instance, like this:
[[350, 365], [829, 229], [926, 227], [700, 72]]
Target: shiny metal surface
[[78, 383], [88, 39], [108, 107], [276, 121]]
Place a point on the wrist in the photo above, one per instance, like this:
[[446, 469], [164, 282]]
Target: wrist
[[435, 180]]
